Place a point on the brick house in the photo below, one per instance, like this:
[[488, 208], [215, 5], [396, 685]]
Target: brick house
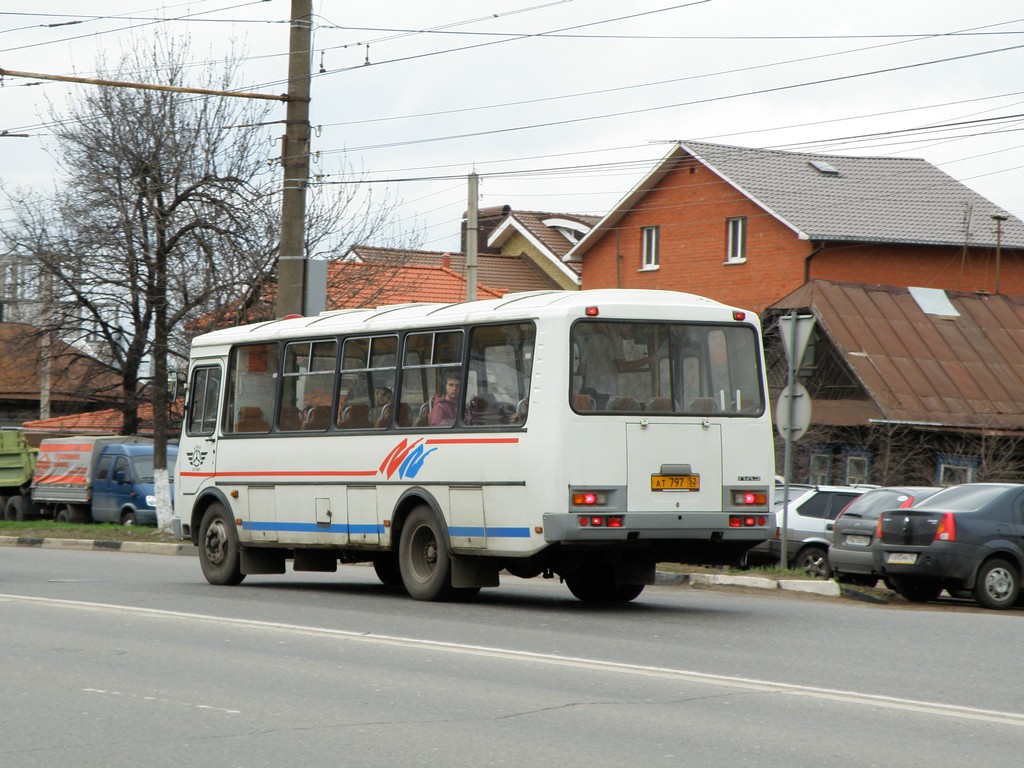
[[748, 226]]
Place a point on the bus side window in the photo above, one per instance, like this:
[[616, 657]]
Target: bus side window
[[426, 359], [307, 389], [251, 387], [500, 366], [204, 396]]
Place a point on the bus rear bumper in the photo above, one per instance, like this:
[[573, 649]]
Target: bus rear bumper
[[640, 526]]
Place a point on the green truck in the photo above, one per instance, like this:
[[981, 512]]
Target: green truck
[[17, 463]]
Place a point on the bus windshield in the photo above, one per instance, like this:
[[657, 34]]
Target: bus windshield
[[670, 368]]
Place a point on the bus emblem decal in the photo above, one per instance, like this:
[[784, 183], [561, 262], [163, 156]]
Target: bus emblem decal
[[196, 457], [407, 459]]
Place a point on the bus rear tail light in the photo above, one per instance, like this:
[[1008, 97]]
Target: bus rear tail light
[[747, 521], [749, 498], [589, 499], [600, 521]]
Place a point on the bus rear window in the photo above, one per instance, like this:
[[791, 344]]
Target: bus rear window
[[667, 368]]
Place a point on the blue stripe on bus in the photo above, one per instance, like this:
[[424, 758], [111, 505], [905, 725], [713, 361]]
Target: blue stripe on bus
[[459, 530], [495, 533], [313, 528]]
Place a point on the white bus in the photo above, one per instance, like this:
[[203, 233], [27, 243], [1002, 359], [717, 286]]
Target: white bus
[[587, 435]]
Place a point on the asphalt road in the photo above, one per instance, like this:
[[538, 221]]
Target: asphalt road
[[115, 659]]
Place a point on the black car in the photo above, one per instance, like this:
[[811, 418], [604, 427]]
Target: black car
[[963, 539], [851, 554]]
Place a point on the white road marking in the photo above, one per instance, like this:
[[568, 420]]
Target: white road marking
[[847, 697]]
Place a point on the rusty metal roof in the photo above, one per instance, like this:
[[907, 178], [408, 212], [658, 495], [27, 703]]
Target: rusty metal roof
[[962, 370]]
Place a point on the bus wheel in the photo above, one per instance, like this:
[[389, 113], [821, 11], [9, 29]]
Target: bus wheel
[[596, 585], [219, 551], [423, 557], [387, 570]]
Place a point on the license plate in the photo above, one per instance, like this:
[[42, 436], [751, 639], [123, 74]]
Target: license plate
[[855, 540], [675, 482], [901, 558]]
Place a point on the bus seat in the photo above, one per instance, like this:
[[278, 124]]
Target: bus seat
[[355, 416], [621, 404], [384, 417], [317, 417], [423, 417], [290, 419], [661, 405], [250, 419], [703, 405], [583, 402]]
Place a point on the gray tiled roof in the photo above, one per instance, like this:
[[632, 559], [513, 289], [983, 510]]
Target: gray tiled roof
[[872, 199]]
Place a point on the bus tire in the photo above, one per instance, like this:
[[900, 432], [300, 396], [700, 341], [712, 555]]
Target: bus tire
[[219, 550], [423, 557], [387, 570], [597, 585]]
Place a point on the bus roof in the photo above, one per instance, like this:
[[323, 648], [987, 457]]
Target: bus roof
[[627, 303]]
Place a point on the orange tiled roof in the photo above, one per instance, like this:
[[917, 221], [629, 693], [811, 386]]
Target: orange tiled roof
[[105, 422], [498, 271], [350, 284]]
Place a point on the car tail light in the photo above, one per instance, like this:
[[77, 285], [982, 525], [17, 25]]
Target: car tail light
[[947, 528]]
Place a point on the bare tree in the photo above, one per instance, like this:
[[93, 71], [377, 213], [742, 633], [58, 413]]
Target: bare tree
[[165, 218]]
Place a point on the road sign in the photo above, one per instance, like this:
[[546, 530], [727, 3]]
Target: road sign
[[799, 405]]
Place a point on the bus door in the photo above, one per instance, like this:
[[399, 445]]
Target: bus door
[[675, 466], [197, 452]]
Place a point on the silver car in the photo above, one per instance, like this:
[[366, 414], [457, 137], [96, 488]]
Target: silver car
[[812, 508]]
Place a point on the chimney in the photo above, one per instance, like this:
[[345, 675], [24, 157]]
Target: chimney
[[446, 261]]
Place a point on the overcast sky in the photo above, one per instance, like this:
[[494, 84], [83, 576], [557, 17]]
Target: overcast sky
[[563, 105]]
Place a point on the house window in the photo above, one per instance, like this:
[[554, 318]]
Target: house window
[[649, 237], [856, 466], [821, 468], [953, 469], [736, 246]]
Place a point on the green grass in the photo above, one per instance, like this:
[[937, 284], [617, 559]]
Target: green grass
[[48, 529]]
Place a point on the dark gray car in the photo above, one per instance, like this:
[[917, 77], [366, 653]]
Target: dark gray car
[[851, 554], [964, 538]]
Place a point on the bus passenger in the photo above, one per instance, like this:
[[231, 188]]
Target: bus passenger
[[444, 406]]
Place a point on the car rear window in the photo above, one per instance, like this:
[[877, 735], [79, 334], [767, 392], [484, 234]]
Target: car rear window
[[871, 504], [965, 498]]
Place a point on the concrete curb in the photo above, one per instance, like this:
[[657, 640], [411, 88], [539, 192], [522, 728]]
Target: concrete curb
[[808, 586], [135, 547]]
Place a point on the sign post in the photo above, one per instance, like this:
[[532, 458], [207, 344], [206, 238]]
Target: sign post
[[793, 411]]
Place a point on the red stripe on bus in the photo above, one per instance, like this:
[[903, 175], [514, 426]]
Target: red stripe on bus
[[470, 440]]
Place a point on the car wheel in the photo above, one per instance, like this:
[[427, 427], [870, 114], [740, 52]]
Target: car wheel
[[917, 590], [997, 584], [813, 561], [219, 550], [128, 518]]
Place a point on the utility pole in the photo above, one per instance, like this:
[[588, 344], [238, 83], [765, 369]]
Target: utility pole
[[472, 233], [291, 265], [998, 218]]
